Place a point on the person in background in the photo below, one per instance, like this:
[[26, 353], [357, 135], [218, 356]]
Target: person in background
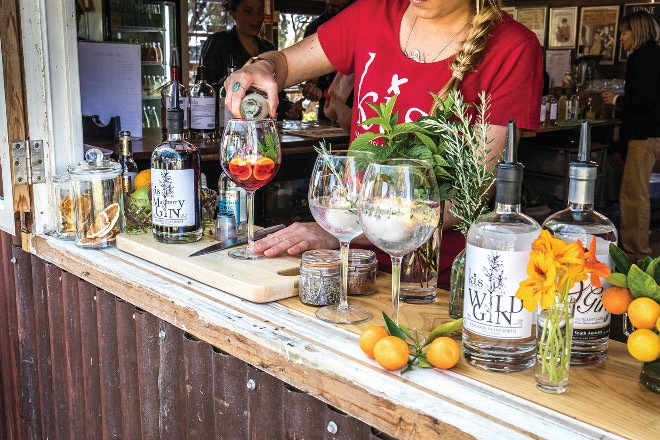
[[317, 89], [235, 47], [640, 129], [416, 48]]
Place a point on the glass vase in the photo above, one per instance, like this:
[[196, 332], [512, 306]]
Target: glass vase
[[554, 332], [419, 272], [457, 286], [650, 375]]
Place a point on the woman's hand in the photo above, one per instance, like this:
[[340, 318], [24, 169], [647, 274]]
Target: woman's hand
[[258, 75], [608, 97], [296, 239]]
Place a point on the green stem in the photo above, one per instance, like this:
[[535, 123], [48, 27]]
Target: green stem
[[555, 351]]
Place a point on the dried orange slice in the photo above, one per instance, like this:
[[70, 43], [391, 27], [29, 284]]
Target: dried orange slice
[[240, 168], [263, 168], [83, 207], [104, 222], [66, 209]]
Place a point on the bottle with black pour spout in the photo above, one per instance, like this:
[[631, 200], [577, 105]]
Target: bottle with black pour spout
[[580, 222], [497, 330]]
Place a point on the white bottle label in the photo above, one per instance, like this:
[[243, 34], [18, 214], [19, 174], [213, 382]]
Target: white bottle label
[[202, 113], [173, 197], [491, 308], [591, 320]]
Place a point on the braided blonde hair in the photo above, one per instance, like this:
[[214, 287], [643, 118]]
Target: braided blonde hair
[[486, 14]]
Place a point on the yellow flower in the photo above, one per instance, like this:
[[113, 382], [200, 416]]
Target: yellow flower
[[554, 267], [541, 286]]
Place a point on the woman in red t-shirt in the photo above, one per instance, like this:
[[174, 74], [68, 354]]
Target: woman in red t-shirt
[[408, 48]]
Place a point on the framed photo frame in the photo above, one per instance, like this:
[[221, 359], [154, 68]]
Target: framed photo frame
[[599, 32], [535, 19], [562, 28]]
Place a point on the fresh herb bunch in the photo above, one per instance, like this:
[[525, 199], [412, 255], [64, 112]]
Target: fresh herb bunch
[[417, 341], [268, 148], [449, 138]]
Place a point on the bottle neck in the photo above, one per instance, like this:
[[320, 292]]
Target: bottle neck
[[174, 137], [581, 194], [506, 208]]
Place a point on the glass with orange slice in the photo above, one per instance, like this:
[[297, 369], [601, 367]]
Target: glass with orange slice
[[250, 155]]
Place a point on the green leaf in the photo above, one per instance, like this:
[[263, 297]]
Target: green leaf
[[618, 279], [392, 328], [619, 258], [444, 330], [423, 362], [642, 284]]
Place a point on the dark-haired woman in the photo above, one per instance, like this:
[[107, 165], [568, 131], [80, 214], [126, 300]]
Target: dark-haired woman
[[640, 129], [235, 47]]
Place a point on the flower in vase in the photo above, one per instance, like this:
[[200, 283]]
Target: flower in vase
[[554, 267]]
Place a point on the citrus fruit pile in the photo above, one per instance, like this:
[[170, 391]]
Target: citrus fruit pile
[[636, 293], [396, 347], [137, 207]]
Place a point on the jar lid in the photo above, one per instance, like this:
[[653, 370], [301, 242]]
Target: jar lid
[[361, 257], [63, 178], [94, 167], [321, 257]]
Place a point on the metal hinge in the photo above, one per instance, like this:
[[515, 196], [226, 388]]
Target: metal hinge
[[28, 163]]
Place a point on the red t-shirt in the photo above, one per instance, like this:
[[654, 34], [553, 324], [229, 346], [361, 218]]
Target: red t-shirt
[[364, 40]]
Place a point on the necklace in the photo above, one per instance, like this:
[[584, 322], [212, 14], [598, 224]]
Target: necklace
[[418, 55]]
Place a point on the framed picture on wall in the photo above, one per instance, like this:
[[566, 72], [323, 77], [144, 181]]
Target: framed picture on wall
[[599, 32], [534, 18], [651, 8], [562, 27]]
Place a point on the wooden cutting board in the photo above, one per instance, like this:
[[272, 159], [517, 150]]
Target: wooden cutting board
[[262, 280]]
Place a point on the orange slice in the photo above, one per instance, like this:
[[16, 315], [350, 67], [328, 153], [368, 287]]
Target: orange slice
[[240, 168], [104, 222], [263, 168]]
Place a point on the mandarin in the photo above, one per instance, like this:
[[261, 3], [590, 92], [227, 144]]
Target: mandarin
[[643, 312], [644, 345], [617, 299], [143, 178], [369, 337], [443, 352], [391, 352]]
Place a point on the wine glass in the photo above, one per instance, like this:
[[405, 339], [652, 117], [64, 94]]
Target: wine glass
[[250, 155], [399, 209], [333, 194]]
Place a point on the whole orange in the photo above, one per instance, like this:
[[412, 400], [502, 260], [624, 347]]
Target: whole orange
[[391, 352], [616, 299], [644, 345], [369, 337], [143, 178], [643, 312], [443, 352]]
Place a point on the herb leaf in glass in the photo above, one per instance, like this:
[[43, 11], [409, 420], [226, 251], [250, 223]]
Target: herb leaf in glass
[[250, 154], [333, 193], [399, 208]]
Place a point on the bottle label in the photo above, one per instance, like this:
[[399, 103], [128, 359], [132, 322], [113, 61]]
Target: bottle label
[[591, 320], [173, 197], [202, 113], [229, 202], [491, 308]]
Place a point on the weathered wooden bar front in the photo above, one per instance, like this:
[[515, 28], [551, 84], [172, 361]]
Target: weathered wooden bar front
[[102, 344]]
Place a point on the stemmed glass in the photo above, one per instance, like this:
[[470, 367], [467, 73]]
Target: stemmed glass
[[333, 193], [250, 154], [399, 208]]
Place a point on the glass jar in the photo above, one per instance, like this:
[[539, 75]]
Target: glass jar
[[65, 226], [97, 196], [319, 277], [362, 271]]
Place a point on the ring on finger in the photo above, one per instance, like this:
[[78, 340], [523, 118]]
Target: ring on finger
[[237, 86]]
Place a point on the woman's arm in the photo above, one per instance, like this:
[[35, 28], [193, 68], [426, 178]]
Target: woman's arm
[[273, 71]]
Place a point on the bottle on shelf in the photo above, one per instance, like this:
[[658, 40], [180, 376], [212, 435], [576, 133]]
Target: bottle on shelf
[[574, 107], [580, 222], [589, 112], [129, 168], [202, 108], [158, 53], [562, 107], [167, 91], [175, 183], [497, 330], [544, 111], [551, 118]]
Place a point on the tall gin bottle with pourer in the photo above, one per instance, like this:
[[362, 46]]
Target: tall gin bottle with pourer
[[167, 92], [175, 183], [580, 222], [498, 332]]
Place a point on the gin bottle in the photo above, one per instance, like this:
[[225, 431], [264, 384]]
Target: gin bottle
[[175, 183], [202, 108], [580, 222], [497, 330]]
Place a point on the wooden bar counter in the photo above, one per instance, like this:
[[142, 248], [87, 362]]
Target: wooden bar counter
[[285, 340]]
